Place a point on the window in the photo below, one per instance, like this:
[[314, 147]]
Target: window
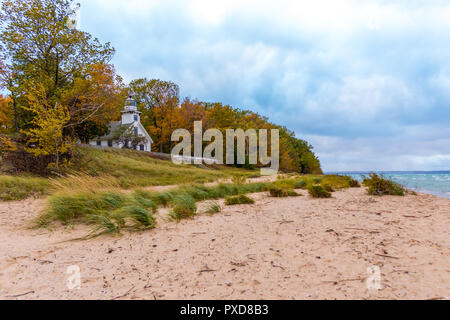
[[136, 118], [141, 147], [99, 143], [110, 143], [135, 130], [127, 144]]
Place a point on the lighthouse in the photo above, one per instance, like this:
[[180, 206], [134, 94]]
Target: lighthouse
[[130, 114]]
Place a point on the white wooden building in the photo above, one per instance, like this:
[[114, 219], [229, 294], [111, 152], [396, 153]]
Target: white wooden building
[[129, 126]]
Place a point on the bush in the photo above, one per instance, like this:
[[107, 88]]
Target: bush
[[242, 199], [328, 188], [353, 183], [379, 186], [184, 207], [319, 192], [282, 193]]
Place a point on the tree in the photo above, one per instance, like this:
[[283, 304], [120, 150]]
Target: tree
[[42, 47], [94, 101], [159, 103], [191, 111], [6, 115], [46, 137]]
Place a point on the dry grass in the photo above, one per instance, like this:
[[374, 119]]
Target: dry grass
[[98, 169], [19, 188]]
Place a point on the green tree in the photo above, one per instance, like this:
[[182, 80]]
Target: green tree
[[42, 47], [46, 137]]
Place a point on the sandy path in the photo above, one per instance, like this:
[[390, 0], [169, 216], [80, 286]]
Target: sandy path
[[297, 248]]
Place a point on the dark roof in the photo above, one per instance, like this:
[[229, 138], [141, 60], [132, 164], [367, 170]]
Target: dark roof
[[114, 127]]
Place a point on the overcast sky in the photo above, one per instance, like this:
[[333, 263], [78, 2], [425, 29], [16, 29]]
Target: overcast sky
[[366, 82]]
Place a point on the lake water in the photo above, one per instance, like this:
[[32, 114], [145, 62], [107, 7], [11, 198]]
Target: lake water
[[436, 182]]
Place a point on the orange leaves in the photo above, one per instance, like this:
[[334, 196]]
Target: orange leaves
[[6, 115], [96, 97]]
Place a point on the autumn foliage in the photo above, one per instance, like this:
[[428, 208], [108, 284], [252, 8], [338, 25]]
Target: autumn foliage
[[63, 89], [162, 113]]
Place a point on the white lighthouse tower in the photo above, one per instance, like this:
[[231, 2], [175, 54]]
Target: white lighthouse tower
[[131, 114]]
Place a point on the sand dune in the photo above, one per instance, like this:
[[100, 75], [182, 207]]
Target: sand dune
[[296, 248]]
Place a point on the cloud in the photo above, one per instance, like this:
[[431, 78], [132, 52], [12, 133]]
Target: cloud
[[360, 79]]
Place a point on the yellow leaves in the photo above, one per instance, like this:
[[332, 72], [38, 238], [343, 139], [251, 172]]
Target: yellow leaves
[[46, 136], [6, 145]]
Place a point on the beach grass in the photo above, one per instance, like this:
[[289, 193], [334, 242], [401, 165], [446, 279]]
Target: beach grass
[[282, 193], [133, 169], [114, 169], [106, 169], [184, 207], [237, 200], [20, 188], [110, 211], [213, 208]]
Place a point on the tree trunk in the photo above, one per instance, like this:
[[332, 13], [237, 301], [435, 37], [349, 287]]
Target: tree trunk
[[16, 123]]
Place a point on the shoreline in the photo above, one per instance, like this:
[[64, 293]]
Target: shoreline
[[444, 193], [294, 248], [432, 193]]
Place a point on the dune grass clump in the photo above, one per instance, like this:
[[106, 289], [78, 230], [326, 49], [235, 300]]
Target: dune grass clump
[[237, 200], [378, 185], [144, 199], [108, 212], [214, 208], [184, 207], [300, 184], [319, 192], [282, 193]]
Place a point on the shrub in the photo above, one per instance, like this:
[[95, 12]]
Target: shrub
[[319, 192], [242, 199], [282, 193], [328, 188], [353, 183], [379, 186], [184, 207]]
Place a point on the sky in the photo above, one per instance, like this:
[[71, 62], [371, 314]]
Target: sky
[[367, 83]]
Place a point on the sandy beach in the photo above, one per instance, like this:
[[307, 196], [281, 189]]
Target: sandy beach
[[296, 248]]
